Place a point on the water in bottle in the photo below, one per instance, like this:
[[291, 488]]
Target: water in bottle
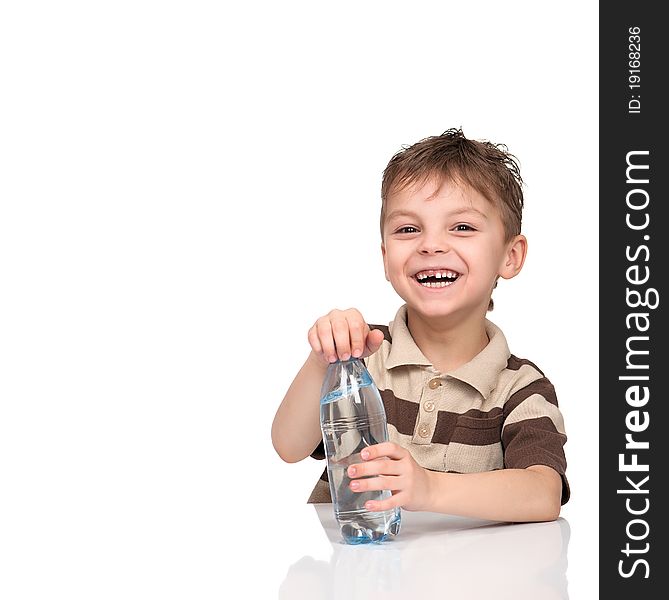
[[352, 418]]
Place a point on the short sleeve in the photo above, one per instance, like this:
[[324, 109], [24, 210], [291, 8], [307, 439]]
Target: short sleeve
[[533, 431]]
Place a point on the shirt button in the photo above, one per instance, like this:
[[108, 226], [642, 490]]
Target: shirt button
[[428, 406], [434, 383], [424, 431]]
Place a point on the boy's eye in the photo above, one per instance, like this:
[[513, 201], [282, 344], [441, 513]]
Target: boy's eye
[[463, 227], [407, 229]]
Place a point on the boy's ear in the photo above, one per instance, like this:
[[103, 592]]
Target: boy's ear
[[514, 257], [385, 264]]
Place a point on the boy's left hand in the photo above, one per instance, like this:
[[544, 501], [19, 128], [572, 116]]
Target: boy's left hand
[[408, 481]]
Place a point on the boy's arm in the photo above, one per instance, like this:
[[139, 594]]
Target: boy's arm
[[296, 428], [516, 495]]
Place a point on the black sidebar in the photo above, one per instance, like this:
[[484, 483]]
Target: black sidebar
[[634, 366]]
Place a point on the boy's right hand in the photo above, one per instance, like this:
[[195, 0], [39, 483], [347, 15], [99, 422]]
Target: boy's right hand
[[341, 334]]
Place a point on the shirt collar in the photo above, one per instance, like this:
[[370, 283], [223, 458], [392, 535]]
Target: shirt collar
[[403, 350], [482, 372]]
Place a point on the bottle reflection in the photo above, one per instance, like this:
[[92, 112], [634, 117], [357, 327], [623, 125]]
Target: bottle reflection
[[438, 554]]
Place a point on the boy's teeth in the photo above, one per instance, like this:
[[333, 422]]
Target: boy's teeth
[[436, 284], [438, 278], [436, 274]]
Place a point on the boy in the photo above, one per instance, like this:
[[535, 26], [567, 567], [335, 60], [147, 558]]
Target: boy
[[474, 431]]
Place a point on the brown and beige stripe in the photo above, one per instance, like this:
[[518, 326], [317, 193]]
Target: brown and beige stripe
[[496, 412]]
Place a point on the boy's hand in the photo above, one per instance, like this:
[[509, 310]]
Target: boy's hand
[[343, 333], [409, 482]]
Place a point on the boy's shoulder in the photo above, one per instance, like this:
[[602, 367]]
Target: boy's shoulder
[[522, 378], [514, 364]]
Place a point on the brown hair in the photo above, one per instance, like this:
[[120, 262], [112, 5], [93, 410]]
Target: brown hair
[[488, 168]]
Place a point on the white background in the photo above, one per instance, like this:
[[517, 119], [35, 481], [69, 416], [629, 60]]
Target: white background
[[186, 187]]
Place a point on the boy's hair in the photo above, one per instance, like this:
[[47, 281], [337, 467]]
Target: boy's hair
[[488, 168]]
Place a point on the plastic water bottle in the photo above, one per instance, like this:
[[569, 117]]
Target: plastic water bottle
[[352, 418]]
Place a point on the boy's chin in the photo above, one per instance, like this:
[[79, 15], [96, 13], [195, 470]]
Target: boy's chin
[[433, 310], [440, 311]]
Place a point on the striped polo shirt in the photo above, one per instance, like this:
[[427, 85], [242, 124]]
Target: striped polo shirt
[[496, 411]]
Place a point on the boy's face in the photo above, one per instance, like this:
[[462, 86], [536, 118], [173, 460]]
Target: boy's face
[[443, 249]]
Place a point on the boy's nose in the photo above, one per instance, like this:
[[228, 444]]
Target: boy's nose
[[433, 241], [432, 250], [433, 246]]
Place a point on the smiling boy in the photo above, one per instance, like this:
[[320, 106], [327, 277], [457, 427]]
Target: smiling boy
[[474, 430]]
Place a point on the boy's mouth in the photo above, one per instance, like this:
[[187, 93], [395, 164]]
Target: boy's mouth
[[436, 278]]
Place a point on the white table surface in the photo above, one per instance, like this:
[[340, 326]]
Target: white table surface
[[449, 556]]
